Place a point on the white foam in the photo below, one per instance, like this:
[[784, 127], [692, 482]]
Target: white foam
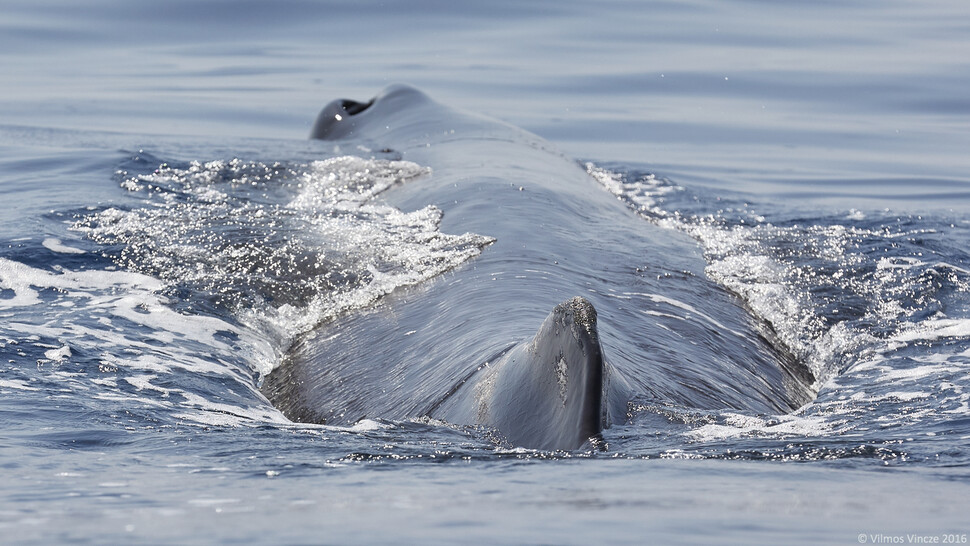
[[55, 245], [119, 316], [739, 425], [59, 354], [917, 373], [23, 279], [934, 329], [898, 262], [368, 425], [142, 382], [219, 413], [17, 384], [906, 396]]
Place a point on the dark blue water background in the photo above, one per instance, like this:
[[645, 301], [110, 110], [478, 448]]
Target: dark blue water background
[[817, 153]]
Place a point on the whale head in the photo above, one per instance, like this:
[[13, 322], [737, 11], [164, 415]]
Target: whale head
[[345, 118]]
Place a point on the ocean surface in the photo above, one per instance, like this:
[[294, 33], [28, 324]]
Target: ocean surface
[[167, 229]]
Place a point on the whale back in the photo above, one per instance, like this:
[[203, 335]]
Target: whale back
[[421, 350]]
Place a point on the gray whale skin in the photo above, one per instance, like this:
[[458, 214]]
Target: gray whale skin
[[464, 348]]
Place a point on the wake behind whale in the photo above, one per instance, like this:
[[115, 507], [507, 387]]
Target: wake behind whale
[[479, 345]]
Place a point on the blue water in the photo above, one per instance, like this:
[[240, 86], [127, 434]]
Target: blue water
[[816, 154]]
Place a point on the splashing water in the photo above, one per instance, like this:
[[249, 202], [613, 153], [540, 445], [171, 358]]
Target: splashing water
[[876, 304], [282, 247]]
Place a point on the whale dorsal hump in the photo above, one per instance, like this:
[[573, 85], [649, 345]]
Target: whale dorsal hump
[[547, 393]]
